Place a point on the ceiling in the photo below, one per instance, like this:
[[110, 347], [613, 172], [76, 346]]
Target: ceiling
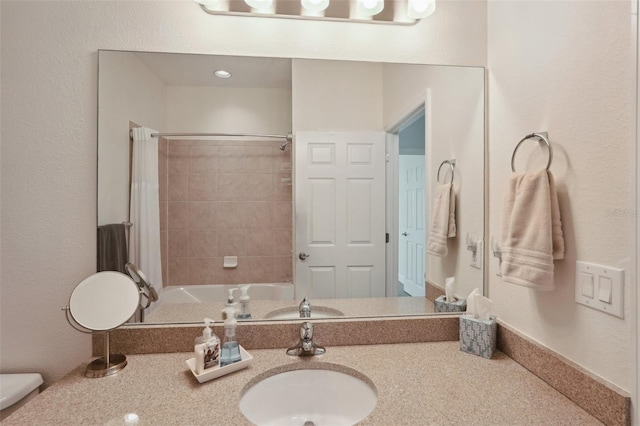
[[197, 70]]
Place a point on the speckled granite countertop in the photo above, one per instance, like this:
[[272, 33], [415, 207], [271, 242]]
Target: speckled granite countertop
[[419, 384], [381, 306]]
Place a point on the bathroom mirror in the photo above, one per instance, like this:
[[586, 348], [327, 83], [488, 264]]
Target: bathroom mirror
[[252, 201]]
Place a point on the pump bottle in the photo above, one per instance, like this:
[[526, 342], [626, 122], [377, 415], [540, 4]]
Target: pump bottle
[[207, 348], [245, 311], [230, 347]]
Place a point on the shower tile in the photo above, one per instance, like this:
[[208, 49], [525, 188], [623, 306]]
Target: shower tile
[[164, 258], [231, 159], [178, 243], [282, 214], [163, 157], [164, 206], [281, 159], [282, 188], [202, 187], [202, 243], [232, 275], [178, 187], [178, 271], [258, 214], [231, 187], [163, 192], [231, 215], [282, 269], [259, 269], [259, 242], [204, 270], [178, 158], [282, 242], [178, 215], [202, 215], [259, 187], [203, 159], [231, 242], [259, 159]]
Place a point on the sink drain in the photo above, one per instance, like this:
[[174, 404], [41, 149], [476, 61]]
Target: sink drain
[[309, 423]]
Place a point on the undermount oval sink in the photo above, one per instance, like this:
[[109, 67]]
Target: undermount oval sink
[[329, 394], [293, 312]]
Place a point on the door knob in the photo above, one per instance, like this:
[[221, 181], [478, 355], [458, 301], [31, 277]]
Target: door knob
[[405, 234], [302, 256]]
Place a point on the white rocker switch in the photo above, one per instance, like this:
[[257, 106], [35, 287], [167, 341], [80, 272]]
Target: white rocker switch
[[604, 289], [587, 285]]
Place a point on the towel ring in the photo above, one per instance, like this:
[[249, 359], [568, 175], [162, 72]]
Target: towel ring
[[542, 136], [451, 163]]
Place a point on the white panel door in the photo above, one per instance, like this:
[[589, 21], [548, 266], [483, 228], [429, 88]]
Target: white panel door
[[411, 221], [340, 214]]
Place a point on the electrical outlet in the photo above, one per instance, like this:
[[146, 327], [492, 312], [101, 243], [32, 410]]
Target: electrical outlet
[[476, 259]]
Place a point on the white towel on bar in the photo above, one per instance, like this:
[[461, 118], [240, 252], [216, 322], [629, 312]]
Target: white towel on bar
[[531, 230], [443, 220]]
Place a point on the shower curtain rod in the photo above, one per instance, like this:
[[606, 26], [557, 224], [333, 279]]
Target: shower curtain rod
[[288, 137]]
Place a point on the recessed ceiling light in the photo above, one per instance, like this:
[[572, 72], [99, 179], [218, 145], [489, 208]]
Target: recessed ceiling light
[[222, 74]]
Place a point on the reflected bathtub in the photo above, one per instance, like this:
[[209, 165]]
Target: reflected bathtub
[[219, 293]]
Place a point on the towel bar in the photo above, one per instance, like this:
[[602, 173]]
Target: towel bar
[[542, 136], [451, 164]]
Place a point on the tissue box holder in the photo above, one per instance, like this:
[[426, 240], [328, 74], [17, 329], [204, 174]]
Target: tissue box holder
[[478, 337], [441, 305]]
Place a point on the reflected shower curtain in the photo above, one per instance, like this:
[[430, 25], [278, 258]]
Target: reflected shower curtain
[[144, 208]]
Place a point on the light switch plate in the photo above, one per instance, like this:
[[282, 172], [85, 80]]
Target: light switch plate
[[601, 274], [476, 261]]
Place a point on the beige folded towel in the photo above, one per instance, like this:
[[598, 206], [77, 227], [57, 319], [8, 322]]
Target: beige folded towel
[[531, 230], [443, 220]]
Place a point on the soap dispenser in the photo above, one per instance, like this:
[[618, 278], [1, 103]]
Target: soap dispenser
[[230, 347], [207, 348], [231, 303], [245, 311]]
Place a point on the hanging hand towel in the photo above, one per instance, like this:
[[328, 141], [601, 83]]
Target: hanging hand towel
[[443, 223], [112, 247], [531, 230]]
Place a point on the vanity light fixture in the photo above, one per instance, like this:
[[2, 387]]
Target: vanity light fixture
[[222, 74], [418, 9], [315, 5], [259, 5], [397, 12], [370, 7]]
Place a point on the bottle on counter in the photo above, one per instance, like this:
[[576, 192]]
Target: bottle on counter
[[206, 348], [230, 347]]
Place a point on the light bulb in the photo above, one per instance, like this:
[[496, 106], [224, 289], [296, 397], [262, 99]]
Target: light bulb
[[259, 4], [222, 74], [418, 9], [370, 7], [315, 5]]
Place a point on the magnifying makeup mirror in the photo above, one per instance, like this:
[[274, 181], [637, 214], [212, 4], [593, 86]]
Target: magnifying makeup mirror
[[100, 303]]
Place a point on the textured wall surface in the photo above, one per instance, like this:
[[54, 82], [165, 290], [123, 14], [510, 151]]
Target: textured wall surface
[[567, 68], [49, 121]]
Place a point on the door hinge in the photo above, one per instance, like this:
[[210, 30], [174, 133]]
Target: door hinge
[[387, 157], [386, 237]]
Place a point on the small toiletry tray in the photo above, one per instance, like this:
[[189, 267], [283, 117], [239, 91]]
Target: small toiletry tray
[[215, 372]]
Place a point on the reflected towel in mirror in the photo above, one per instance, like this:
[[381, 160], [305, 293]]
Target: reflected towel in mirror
[[444, 222], [112, 247]]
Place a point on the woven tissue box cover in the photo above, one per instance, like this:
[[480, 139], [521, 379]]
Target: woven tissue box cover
[[441, 305], [478, 337]]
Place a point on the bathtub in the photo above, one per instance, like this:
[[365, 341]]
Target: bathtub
[[219, 293]]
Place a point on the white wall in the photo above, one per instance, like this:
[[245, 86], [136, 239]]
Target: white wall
[[455, 119], [337, 95], [566, 68], [228, 110], [128, 91], [49, 130]]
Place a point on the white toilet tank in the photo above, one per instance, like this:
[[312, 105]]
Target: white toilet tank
[[16, 390]]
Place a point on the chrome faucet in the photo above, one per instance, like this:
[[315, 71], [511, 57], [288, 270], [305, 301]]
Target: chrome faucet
[[305, 308], [305, 346]]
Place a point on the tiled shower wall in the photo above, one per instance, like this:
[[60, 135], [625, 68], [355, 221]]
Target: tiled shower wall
[[225, 198]]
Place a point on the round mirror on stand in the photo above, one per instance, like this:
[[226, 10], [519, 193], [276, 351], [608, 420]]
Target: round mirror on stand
[[100, 303], [146, 289]]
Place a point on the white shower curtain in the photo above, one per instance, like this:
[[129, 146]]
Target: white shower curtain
[[144, 240]]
